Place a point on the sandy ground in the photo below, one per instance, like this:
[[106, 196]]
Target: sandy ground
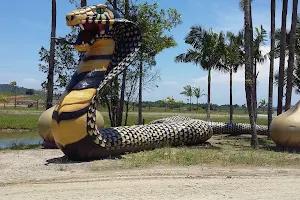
[[45, 174]]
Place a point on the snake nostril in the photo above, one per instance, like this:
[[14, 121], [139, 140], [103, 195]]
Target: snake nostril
[[70, 17]]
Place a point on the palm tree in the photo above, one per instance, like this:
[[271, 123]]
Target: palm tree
[[282, 56], [232, 59], [206, 51], [289, 85], [248, 37], [51, 59], [187, 91], [296, 68], [263, 104], [198, 93], [259, 40], [272, 58], [296, 78]]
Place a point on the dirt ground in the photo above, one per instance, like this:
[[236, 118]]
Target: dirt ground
[[45, 174]]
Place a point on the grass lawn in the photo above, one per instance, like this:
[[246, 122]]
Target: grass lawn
[[13, 121], [27, 119], [222, 150]]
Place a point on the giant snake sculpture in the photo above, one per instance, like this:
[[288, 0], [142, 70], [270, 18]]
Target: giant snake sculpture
[[111, 44]]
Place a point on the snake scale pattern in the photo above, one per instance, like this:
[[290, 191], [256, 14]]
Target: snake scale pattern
[[111, 44]]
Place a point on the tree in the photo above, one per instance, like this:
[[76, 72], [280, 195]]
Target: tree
[[130, 90], [66, 61], [262, 104], [259, 40], [232, 59], [248, 38], [112, 94], [4, 100], [179, 104], [272, 58], [51, 59], [296, 78], [198, 93], [170, 101], [14, 83], [83, 3], [282, 56], [154, 24], [123, 85], [291, 60], [65, 57], [29, 92], [206, 51], [187, 91]]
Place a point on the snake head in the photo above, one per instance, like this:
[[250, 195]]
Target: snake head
[[95, 22]]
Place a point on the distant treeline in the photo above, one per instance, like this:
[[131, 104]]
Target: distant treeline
[[177, 105], [6, 88]]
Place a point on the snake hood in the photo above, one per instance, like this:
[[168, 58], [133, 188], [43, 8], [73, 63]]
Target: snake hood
[[99, 22]]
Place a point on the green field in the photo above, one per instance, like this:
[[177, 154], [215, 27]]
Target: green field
[[221, 150], [27, 118]]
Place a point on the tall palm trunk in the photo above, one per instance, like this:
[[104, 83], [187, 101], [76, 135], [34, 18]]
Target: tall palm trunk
[[255, 91], [270, 97], [230, 101], [83, 3], [51, 59], [289, 85], [114, 92], [282, 57], [140, 117], [248, 36], [123, 86], [208, 95]]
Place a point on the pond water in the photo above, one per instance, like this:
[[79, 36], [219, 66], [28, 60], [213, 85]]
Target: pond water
[[11, 138]]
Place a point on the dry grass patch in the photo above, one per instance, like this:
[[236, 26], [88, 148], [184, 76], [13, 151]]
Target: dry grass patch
[[223, 151]]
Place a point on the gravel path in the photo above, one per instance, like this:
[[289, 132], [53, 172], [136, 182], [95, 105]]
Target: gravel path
[[45, 174]]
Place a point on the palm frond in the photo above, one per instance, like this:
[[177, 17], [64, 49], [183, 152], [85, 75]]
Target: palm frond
[[191, 56]]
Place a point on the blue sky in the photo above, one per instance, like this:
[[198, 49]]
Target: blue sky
[[26, 28]]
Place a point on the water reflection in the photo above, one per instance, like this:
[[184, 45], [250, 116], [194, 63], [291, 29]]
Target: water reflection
[[10, 138]]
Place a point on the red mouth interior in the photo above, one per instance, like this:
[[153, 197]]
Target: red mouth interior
[[89, 32]]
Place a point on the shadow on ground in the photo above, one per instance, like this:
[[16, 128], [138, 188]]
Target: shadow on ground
[[66, 160]]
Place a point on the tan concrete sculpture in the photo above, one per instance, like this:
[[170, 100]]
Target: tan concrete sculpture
[[44, 126], [285, 128]]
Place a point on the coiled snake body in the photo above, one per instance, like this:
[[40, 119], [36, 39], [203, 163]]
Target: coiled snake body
[[111, 44]]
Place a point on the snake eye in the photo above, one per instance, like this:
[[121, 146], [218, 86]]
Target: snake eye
[[100, 10]]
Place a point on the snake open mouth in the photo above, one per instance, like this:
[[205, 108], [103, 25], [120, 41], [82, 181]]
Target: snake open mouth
[[89, 33], [95, 22]]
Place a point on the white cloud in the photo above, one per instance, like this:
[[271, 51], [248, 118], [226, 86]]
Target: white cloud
[[220, 85]]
